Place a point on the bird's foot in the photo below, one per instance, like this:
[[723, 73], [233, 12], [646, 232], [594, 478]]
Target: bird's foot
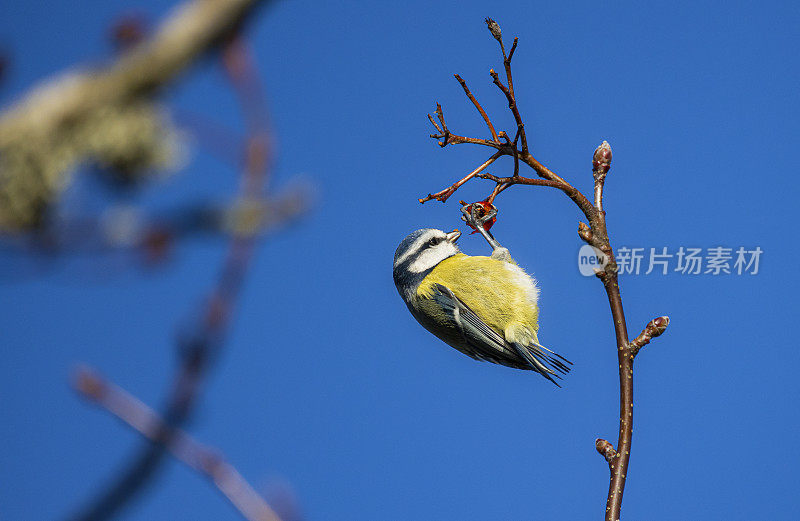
[[476, 216]]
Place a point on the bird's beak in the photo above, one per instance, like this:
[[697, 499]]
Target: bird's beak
[[453, 236]]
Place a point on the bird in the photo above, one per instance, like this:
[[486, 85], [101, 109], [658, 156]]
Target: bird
[[485, 307]]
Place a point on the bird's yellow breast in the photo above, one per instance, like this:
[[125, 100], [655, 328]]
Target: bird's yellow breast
[[499, 292]]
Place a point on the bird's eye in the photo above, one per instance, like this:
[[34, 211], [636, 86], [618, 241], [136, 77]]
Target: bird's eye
[[434, 241]]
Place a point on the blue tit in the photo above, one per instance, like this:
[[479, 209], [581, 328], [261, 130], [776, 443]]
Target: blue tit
[[486, 307]]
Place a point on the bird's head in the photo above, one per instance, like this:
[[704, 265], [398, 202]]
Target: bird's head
[[421, 251]]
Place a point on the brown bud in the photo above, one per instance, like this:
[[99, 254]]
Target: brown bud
[[653, 329], [584, 232], [128, 30], [494, 29], [210, 461], [88, 383], [156, 244], [605, 449], [657, 326], [601, 161]]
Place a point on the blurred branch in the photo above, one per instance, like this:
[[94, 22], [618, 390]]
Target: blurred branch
[[199, 348], [151, 237], [107, 117], [199, 457], [105, 114], [595, 234], [191, 30], [4, 63]]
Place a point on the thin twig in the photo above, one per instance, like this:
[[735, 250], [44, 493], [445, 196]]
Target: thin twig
[[508, 91], [181, 445], [447, 138], [516, 152], [454, 139], [507, 65], [511, 52], [577, 197], [438, 128], [512, 104], [519, 180], [477, 106], [242, 75], [499, 187], [618, 466], [447, 192]]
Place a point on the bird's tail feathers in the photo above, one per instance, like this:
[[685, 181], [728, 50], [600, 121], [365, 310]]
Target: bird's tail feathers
[[544, 361], [557, 361]]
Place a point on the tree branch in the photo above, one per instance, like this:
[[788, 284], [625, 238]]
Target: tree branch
[[191, 30], [51, 131], [507, 65], [594, 233], [447, 192], [512, 104], [200, 347], [197, 456], [494, 28], [453, 139], [477, 106]]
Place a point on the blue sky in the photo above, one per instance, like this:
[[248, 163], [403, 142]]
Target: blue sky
[[328, 385]]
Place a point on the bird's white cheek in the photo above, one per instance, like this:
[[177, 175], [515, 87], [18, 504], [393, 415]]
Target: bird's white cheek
[[432, 256], [426, 260]]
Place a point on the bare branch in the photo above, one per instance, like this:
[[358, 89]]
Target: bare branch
[[191, 30], [477, 106], [516, 152], [577, 197], [507, 65], [511, 54], [499, 187], [447, 192], [494, 28], [447, 138], [46, 128], [512, 104], [199, 457], [619, 465], [458, 140], [594, 233], [199, 347], [434, 123], [519, 180]]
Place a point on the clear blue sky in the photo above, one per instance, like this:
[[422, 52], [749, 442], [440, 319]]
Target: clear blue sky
[[329, 385]]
